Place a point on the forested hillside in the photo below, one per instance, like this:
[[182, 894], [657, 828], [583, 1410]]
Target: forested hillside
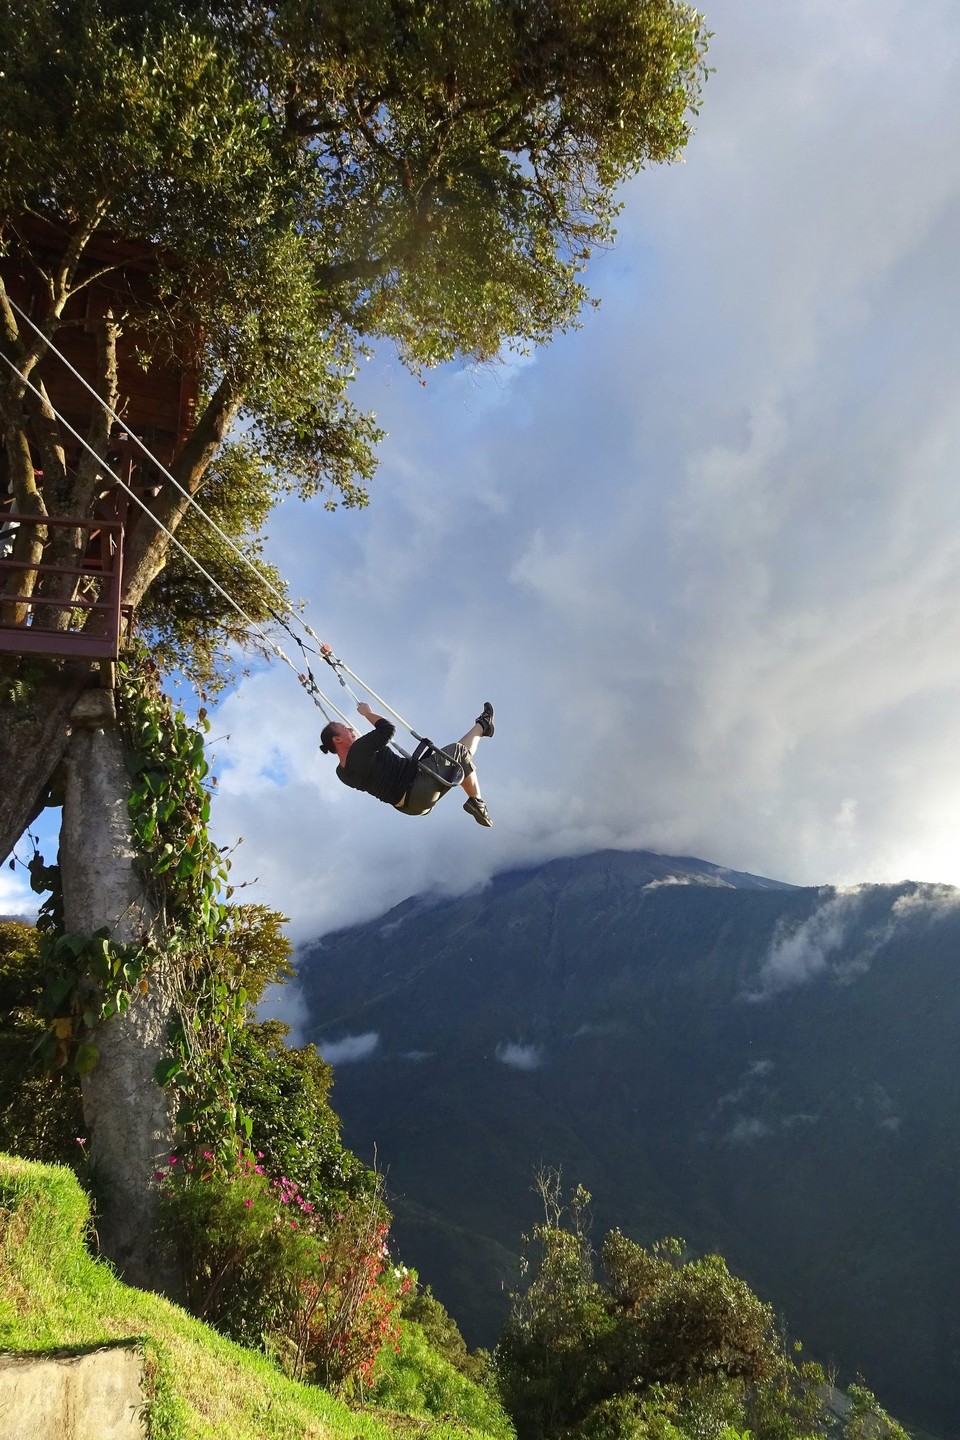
[[763, 1070]]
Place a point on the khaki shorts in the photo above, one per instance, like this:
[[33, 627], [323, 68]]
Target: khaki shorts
[[425, 792]]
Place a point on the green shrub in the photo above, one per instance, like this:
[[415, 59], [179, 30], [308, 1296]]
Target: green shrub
[[443, 1335], [267, 1267], [40, 1115], [411, 1376]]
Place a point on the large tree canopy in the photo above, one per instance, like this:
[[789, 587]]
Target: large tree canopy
[[290, 182], [286, 183], [436, 172]]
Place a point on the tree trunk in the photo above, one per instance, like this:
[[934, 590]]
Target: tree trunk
[[126, 1112], [34, 729]]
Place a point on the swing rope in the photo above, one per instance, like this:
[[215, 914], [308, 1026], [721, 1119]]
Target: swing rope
[[324, 652], [323, 702]]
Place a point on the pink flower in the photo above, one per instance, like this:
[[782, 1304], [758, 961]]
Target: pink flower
[[173, 1160], [158, 1175], [247, 1204], [81, 1140], [293, 1224], [207, 1155]]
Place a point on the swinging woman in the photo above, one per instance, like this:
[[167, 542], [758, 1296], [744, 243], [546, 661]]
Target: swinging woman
[[367, 763]]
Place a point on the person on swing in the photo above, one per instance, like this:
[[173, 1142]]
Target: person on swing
[[366, 762]]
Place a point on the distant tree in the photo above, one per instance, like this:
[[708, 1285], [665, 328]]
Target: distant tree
[[657, 1347], [867, 1419]]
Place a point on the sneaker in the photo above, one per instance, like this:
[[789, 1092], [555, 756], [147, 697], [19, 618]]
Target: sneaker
[[478, 810], [485, 719]]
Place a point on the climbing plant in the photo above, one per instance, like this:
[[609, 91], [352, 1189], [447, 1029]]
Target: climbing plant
[[204, 947]]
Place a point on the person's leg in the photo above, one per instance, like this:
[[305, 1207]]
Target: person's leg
[[470, 785], [483, 725], [472, 739], [474, 804]]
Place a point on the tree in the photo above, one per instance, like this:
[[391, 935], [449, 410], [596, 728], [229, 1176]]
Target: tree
[[658, 1347], [296, 179], [256, 192]]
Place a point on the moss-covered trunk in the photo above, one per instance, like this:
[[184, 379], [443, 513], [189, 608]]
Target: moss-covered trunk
[[129, 1127]]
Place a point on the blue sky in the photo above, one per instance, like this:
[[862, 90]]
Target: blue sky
[[703, 554]]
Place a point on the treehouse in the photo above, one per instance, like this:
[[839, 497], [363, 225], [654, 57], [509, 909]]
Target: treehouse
[[64, 529]]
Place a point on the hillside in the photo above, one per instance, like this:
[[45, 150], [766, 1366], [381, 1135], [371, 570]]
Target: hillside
[[765, 1070], [54, 1297]]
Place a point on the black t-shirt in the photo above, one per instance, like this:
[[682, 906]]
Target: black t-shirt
[[373, 767]]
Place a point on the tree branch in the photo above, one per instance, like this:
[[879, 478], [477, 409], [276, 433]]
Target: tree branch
[[145, 552]]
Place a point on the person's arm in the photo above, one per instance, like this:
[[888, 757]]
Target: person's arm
[[383, 730]]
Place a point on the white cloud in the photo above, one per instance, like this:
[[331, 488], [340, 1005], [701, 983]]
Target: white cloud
[[927, 902], [798, 954], [713, 880], [704, 555], [520, 1057], [286, 1003], [833, 939], [17, 900], [349, 1048]]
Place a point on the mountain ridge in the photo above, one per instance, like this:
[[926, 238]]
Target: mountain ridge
[[759, 1067]]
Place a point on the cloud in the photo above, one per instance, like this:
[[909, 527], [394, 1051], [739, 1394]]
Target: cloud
[[286, 1003], [835, 938], [704, 554], [927, 902], [349, 1048], [748, 1128], [799, 953], [17, 900], [520, 1057], [756, 1070], [714, 880]]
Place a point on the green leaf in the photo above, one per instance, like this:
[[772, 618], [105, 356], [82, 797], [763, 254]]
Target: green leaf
[[60, 988], [165, 1070], [86, 1058]]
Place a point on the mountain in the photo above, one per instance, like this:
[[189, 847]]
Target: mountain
[[765, 1070]]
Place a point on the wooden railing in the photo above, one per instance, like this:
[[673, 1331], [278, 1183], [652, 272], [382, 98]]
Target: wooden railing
[[93, 624]]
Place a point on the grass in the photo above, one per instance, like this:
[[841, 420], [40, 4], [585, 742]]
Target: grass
[[199, 1386]]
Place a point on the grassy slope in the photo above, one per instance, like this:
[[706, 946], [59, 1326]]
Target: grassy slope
[[53, 1295]]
